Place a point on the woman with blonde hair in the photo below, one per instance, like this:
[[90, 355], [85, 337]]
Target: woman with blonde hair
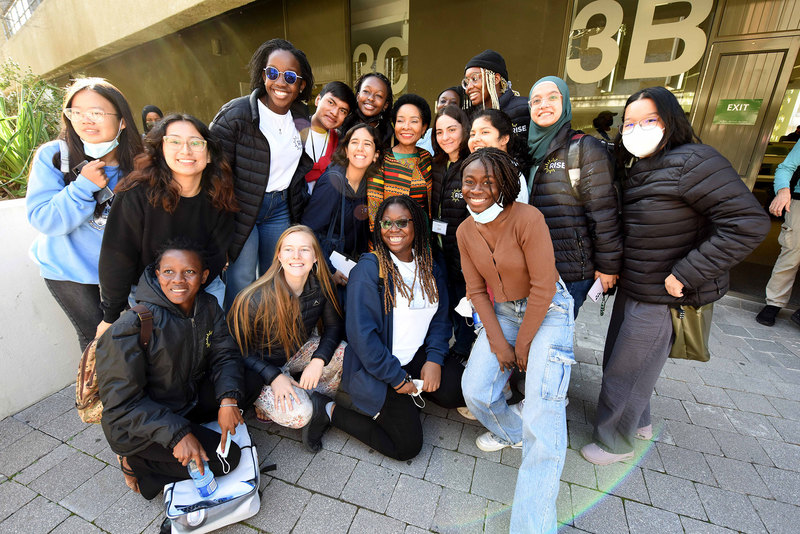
[[273, 321]]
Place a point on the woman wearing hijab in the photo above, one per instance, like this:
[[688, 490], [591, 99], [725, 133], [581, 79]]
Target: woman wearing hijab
[[571, 183], [150, 116]]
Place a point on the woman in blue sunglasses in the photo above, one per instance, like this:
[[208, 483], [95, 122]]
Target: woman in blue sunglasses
[[260, 136]]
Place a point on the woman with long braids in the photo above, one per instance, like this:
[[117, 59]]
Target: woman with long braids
[[273, 321], [528, 324], [397, 330], [375, 99]]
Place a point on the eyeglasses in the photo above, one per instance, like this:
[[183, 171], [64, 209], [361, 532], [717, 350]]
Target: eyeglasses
[[550, 99], [471, 80], [645, 124], [95, 115], [386, 224], [175, 142], [289, 76]]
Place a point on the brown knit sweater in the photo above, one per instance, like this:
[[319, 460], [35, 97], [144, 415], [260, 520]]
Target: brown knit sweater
[[513, 255]]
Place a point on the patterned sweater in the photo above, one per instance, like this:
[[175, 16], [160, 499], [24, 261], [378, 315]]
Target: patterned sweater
[[405, 176]]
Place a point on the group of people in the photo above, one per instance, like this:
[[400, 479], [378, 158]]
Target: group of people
[[312, 267]]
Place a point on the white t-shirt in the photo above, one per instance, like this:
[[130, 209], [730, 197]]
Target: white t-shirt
[[285, 147], [316, 145], [410, 320], [523, 196]]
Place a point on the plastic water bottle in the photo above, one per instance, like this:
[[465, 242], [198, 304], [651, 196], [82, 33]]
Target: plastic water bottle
[[476, 320], [206, 484]]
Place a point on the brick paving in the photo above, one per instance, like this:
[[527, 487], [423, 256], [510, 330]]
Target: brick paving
[[725, 458]]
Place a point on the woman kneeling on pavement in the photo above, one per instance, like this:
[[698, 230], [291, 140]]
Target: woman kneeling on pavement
[[155, 400], [273, 320], [397, 330], [506, 249]]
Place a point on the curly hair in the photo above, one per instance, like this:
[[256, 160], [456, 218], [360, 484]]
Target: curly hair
[[181, 243], [420, 246], [152, 171], [504, 170], [259, 60]]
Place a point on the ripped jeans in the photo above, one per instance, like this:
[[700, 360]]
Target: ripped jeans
[[543, 426]]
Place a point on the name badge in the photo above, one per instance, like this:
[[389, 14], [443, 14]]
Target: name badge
[[440, 227]]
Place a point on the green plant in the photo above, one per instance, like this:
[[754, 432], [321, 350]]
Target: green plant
[[30, 111]]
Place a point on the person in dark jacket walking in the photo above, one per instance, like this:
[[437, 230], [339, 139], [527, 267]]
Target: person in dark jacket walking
[[260, 136], [687, 220], [337, 211], [487, 86], [273, 322], [397, 329], [448, 210], [155, 400], [181, 186], [577, 198]]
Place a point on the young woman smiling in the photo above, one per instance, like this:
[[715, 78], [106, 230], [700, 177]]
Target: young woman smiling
[[337, 211], [397, 329], [406, 169], [374, 97], [528, 324], [452, 96], [334, 103], [273, 320], [181, 186], [260, 135], [67, 206], [493, 128]]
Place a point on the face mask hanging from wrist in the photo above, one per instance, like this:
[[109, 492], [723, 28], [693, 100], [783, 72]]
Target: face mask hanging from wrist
[[98, 150], [489, 214], [642, 143]]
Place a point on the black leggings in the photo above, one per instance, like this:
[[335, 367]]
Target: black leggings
[[397, 431], [81, 304], [155, 466]]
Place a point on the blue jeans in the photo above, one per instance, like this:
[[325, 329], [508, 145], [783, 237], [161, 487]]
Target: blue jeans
[[579, 290], [543, 426], [259, 249]]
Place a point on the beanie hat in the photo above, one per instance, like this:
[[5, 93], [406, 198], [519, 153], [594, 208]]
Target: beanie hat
[[491, 60]]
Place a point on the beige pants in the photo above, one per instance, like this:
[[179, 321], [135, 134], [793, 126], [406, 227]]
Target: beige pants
[[300, 413], [779, 287]]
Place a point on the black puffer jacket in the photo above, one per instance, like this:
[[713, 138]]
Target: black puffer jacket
[[247, 150], [267, 360], [449, 206], [516, 107], [688, 213], [585, 232], [146, 396]]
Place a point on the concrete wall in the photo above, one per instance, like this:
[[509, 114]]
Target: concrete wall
[[39, 350]]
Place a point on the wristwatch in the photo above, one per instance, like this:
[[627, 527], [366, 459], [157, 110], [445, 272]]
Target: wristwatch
[[405, 381]]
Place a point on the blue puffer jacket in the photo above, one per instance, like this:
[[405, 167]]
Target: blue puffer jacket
[[369, 365]]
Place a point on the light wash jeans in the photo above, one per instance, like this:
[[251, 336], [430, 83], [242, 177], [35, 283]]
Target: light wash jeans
[[543, 426], [259, 249]]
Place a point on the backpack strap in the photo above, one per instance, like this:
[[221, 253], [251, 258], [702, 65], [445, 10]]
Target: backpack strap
[[146, 320], [574, 163]]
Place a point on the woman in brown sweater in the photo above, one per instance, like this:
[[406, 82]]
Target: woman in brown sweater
[[507, 257]]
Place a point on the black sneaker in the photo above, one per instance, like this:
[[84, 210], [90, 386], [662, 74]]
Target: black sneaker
[[767, 315], [796, 317], [312, 432]]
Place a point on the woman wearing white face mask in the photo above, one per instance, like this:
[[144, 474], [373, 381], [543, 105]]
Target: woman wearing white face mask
[[687, 220], [69, 204]]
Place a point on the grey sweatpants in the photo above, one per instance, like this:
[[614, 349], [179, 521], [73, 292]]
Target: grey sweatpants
[[637, 346]]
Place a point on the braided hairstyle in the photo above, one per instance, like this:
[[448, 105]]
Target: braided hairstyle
[[505, 171], [423, 268]]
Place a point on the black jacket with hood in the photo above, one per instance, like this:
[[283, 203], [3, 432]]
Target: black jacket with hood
[[686, 212], [584, 224], [516, 107], [146, 396], [247, 150]]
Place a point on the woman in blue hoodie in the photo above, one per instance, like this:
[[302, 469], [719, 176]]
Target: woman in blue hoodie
[[69, 195]]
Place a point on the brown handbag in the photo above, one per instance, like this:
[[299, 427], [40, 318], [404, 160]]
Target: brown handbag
[[87, 393], [692, 327]]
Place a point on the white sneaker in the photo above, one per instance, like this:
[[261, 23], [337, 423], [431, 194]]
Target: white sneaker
[[488, 442], [464, 412]]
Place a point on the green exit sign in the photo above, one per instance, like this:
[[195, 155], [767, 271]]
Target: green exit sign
[[739, 111]]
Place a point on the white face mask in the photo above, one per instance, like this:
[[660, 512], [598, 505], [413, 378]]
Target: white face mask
[[642, 143], [98, 150], [487, 215]]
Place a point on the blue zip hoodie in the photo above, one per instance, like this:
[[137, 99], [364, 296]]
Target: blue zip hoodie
[[69, 245]]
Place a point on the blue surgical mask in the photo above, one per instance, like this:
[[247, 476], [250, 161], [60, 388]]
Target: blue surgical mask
[[98, 150], [487, 215]]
